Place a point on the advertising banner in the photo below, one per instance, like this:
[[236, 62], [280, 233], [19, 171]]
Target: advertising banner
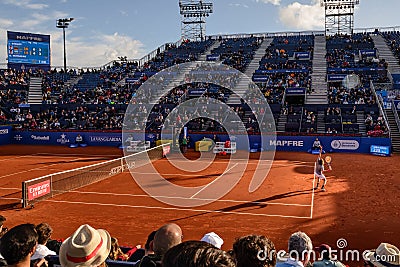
[[39, 190], [5, 135], [280, 143]]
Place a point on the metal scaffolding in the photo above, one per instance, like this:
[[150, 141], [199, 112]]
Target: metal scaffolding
[[193, 18], [339, 16]]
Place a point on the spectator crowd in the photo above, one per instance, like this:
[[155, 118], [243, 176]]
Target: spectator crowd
[[29, 245]]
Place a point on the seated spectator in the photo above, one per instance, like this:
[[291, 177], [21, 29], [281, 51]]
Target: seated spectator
[[44, 232], [116, 252], [166, 237], [129, 139], [136, 254], [3, 229], [18, 245], [86, 247], [196, 254], [213, 239], [326, 258], [254, 250], [316, 145], [300, 247], [149, 243], [385, 255], [79, 139]]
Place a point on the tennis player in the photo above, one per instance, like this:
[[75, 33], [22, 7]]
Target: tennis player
[[320, 169]]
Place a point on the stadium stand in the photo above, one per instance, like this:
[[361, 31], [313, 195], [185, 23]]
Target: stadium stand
[[97, 98]]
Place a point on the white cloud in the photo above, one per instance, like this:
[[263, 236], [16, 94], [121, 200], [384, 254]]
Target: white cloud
[[26, 4], [6, 22], [302, 16], [95, 52], [274, 2], [123, 13], [238, 5]]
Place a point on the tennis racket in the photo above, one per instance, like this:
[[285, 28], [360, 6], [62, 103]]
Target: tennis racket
[[328, 160]]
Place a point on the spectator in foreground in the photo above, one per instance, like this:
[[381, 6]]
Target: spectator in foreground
[[86, 247], [3, 229], [255, 251], [149, 243], [18, 245], [385, 255], [197, 254], [116, 253], [44, 232], [166, 237], [137, 253], [300, 248], [326, 258]]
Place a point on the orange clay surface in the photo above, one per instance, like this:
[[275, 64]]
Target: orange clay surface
[[361, 204]]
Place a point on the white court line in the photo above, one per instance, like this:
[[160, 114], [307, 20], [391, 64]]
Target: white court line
[[225, 172], [51, 156], [185, 198], [195, 175], [9, 188], [312, 196], [10, 198], [176, 174], [92, 155], [38, 168], [17, 157], [181, 209], [250, 162]]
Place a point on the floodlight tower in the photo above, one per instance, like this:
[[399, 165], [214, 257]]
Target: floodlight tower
[[193, 18], [63, 24], [339, 16]]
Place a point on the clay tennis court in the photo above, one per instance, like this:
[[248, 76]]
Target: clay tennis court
[[361, 204]]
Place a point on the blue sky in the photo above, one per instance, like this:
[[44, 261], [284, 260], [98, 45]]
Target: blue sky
[[103, 30]]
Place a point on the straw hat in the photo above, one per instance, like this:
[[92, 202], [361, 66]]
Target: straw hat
[[86, 247], [384, 256]]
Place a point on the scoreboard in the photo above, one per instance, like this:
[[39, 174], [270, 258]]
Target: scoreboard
[[28, 50]]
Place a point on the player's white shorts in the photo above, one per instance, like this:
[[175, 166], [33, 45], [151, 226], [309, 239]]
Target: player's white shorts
[[320, 176]]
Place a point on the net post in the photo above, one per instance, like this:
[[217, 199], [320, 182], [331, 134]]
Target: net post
[[24, 198], [51, 185]]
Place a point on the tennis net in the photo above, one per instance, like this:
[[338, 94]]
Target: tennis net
[[50, 185]]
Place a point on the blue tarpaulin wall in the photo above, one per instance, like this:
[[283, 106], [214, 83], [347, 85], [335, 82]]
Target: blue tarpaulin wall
[[5, 135], [281, 143]]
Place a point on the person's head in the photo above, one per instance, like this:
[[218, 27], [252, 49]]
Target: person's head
[[86, 247], [149, 243], [324, 251], [254, 250], [44, 232], [19, 244], [2, 220], [166, 237], [385, 255], [115, 249], [300, 246], [196, 254]]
